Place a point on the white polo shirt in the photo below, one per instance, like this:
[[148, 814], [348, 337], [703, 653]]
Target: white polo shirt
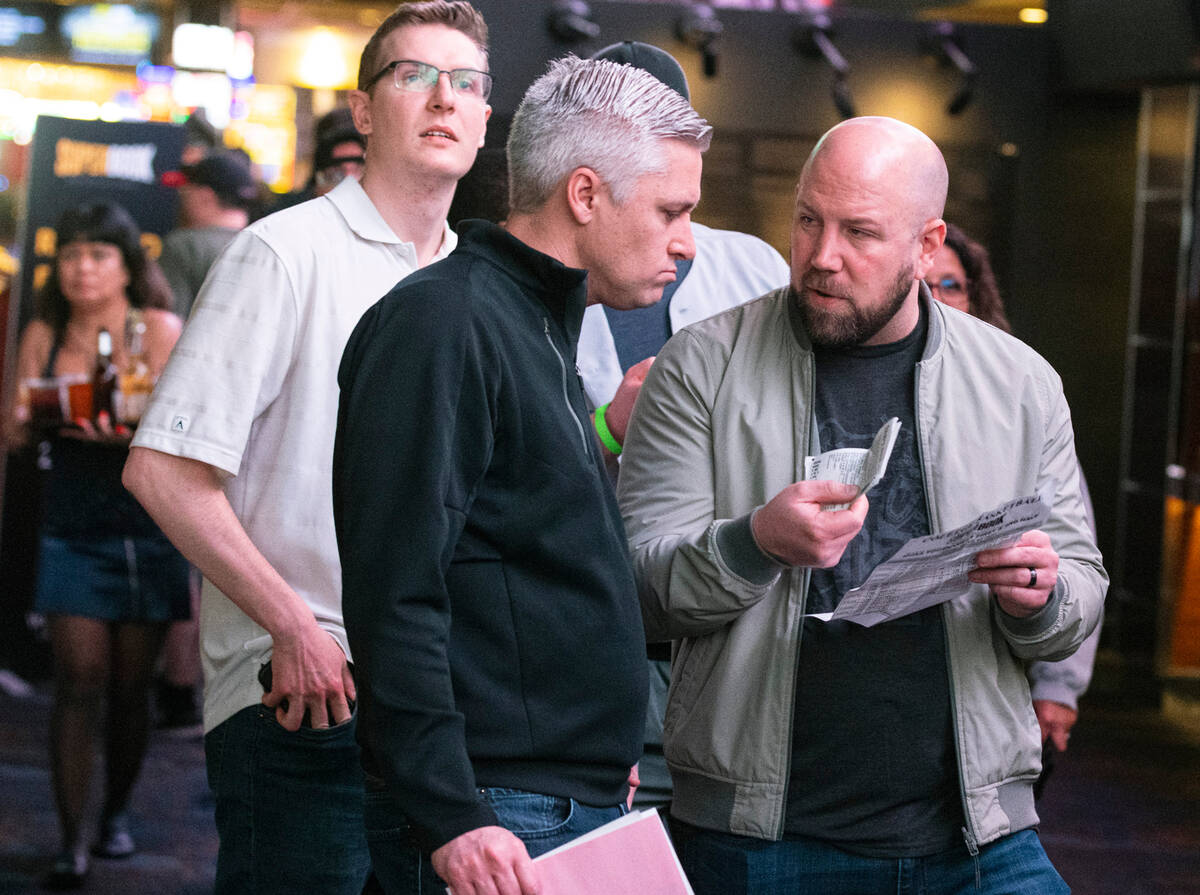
[[251, 389]]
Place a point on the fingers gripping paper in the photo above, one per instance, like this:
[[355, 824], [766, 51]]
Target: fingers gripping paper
[[628, 856], [862, 467], [930, 570]]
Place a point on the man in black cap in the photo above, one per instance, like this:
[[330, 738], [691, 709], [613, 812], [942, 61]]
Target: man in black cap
[[616, 347], [215, 198], [339, 152]]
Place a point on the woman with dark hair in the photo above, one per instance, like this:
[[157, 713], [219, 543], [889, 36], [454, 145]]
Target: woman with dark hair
[[962, 277], [108, 579]]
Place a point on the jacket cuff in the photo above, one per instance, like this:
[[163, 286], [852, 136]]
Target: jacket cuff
[[741, 554], [434, 830], [1032, 625], [1054, 691]]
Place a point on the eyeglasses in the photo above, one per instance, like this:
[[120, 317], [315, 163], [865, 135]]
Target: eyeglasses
[[946, 286], [421, 77]]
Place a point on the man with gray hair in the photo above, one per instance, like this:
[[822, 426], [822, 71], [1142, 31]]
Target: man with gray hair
[[487, 590]]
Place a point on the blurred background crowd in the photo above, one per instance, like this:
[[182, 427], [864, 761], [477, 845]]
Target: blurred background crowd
[[137, 139]]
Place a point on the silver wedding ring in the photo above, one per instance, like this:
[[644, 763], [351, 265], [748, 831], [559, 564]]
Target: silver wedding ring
[[1032, 578]]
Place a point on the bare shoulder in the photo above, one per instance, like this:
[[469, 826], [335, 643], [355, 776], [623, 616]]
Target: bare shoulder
[[162, 332], [34, 348], [160, 322]]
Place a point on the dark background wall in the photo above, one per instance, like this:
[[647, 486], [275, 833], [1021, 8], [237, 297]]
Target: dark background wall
[[1042, 175]]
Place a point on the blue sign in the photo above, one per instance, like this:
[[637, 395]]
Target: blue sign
[[27, 28], [97, 33], [109, 33]]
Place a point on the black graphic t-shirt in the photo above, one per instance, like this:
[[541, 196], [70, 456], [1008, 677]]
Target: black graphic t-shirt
[[873, 768]]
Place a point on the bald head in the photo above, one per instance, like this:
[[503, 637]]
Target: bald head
[[868, 224], [887, 158]]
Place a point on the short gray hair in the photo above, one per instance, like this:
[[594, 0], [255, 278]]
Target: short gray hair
[[597, 114]]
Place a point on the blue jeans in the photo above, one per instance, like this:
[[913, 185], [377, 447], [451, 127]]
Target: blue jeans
[[542, 822], [289, 806], [723, 864]]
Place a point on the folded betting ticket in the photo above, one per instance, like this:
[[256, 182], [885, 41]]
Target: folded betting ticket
[[862, 467], [932, 569]]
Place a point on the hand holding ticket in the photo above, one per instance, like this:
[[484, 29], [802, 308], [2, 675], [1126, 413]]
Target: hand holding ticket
[[861, 467], [930, 570], [793, 526]]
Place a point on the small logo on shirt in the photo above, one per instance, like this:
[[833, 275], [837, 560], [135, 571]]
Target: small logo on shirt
[[180, 424]]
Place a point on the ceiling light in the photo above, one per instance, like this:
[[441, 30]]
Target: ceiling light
[[570, 21], [814, 38], [699, 27], [943, 40], [1032, 15]]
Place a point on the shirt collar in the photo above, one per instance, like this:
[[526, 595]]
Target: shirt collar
[[361, 215]]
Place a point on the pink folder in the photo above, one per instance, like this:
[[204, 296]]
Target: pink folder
[[629, 855]]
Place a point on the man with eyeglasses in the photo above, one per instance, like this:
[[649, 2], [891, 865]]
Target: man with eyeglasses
[[233, 456], [488, 594]]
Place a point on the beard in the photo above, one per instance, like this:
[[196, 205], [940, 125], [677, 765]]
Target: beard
[[855, 324]]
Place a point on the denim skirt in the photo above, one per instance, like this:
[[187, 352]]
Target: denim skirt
[[117, 578]]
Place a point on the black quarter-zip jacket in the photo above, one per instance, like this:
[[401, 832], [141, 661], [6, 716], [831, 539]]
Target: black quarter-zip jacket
[[488, 595]]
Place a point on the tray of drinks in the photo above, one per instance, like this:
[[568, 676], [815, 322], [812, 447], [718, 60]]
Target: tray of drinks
[[55, 401]]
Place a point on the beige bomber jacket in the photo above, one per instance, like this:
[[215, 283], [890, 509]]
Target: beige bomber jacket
[[723, 423]]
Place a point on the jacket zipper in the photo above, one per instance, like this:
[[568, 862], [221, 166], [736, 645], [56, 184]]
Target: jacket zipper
[[967, 831], [562, 364], [968, 835], [805, 578]]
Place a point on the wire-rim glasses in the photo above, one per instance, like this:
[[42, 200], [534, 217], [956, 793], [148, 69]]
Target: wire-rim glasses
[[421, 77]]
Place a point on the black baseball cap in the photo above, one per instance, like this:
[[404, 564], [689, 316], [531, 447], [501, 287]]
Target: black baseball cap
[[649, 58], [332, 129], [225, 173]]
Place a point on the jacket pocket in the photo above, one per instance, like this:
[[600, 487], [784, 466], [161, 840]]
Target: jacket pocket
[[690, 672]]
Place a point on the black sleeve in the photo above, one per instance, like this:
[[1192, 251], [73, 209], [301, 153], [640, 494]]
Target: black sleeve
[[414, 437]]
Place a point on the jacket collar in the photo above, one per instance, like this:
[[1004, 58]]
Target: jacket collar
[[937, 325], [562, 289]]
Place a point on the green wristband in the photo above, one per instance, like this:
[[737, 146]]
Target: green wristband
[[606, 436]]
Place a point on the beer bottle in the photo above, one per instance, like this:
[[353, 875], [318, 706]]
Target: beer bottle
[[135, 383], [104, 377]]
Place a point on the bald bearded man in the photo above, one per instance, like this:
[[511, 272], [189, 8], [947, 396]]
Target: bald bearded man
[[812, 756]]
